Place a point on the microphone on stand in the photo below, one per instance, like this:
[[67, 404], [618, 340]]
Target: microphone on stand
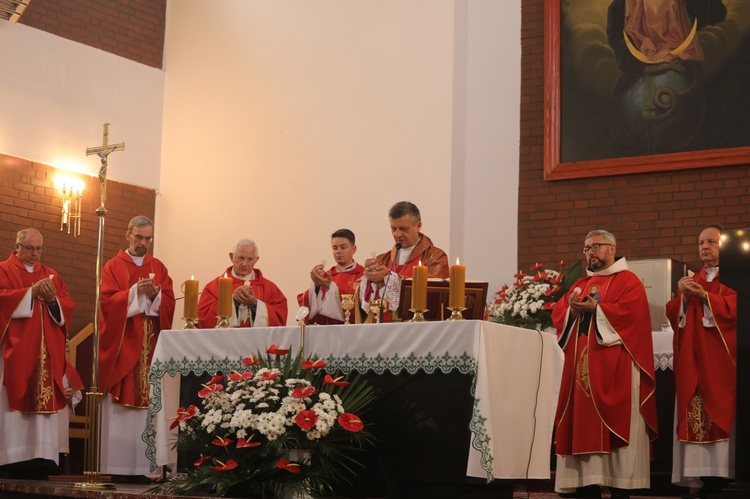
[[385, 284]]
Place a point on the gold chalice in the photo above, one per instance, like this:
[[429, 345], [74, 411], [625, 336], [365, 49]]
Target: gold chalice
[[347, 304]]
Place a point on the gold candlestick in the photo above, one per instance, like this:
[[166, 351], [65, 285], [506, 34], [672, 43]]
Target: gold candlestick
[[418, 314], [347, 304], [456, 314], [223, 322], [190, 322]]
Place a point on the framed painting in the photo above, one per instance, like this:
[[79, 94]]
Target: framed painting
[[636, 86]]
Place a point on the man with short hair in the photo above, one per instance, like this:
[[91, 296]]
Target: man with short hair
[[137, 302], [606, 411], [35, 310], [257, 302], [383, 273], [704, 319], [324, 296]]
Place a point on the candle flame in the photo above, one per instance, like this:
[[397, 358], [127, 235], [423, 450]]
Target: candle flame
[[192, 277], [457, 262], [225, 274], [420, 262]]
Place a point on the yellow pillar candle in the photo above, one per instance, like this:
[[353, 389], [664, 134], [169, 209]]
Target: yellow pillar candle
[[457, 297], [225, 296], [190, 289], [419, 287]]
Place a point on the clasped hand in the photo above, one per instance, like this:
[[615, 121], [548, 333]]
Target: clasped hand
[[146, 287], [579, 306], [320, 277], [244, 295], [374, 271], [690, 289], [44, 290]]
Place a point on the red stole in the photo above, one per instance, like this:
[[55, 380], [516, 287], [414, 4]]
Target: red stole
[[346, 282]]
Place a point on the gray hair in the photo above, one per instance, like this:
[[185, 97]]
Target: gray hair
[[607, 236], [21, 235], [402, 208], [243, 242], [139, 221]]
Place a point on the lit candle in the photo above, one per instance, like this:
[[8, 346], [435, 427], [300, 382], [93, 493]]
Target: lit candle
[[191, 298], [457, 297], [225, 296], [419, 287]]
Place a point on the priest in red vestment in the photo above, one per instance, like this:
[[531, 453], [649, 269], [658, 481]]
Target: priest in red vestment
[[328, 286], [34, 312], [606, 412], [383, 273], [137, 302], [704, 319], [258, 302]]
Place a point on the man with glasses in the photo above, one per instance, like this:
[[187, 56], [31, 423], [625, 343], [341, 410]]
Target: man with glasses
[[606, 412], [704, 319], [34, 313], [137, 302], [257, 301]]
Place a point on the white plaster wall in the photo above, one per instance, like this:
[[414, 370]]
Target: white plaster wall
[[57, 94]]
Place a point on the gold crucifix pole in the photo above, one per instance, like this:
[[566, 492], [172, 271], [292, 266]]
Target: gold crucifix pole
[[92, 459]]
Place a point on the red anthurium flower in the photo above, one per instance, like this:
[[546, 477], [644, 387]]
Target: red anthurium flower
[[537, 266], [215, 379], [251, 361], [301, 393], [243, 444], [350, 422], [549, 305], [329, 380], [551, 291], [269, 376], [500, 300], [202, 460], [274, 350], [318, 364], [240, 376], [221, 441], [229, 465], [520, 275], [284, 464], [561, 264], [540, 275], [209, 389], [306, 419], [183, 415]]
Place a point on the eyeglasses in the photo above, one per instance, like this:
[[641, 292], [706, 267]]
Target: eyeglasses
[[595, 247], [30, 248], [141, 239]]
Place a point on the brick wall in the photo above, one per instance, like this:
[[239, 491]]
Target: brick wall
[[28, 198], [133, 29], [653, 215]]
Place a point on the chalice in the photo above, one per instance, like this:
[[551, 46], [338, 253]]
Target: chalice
[[347, 304]]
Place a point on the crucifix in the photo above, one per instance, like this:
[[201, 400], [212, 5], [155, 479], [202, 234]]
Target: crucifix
[[92, 459]]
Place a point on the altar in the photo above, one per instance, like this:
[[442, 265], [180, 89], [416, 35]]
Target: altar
[[503, 382]]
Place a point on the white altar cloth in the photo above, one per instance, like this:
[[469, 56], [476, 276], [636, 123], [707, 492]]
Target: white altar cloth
[[516, 378]]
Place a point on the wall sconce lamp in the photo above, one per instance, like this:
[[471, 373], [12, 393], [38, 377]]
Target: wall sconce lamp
[[72, 193]]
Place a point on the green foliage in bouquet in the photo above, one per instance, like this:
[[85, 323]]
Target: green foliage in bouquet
[[528, 302], [280, 428]]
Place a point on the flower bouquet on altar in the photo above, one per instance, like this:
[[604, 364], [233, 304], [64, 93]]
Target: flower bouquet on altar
[[528, 302], [280, 427]]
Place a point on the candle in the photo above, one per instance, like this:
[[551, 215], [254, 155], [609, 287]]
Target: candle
[[457, 297], [190, 289], [419, 287], [225, 296]]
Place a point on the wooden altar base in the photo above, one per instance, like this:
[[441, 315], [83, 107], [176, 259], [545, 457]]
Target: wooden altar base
[[60, 486]]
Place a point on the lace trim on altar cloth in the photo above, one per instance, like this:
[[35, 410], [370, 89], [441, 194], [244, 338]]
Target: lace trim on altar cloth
[[664, 361], [446, 363]]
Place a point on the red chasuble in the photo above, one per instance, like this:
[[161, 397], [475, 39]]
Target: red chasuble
[[33, 348], [593, 411], [705, 363], [265, 290], [127, 343], [345, 282], [431, 256]]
